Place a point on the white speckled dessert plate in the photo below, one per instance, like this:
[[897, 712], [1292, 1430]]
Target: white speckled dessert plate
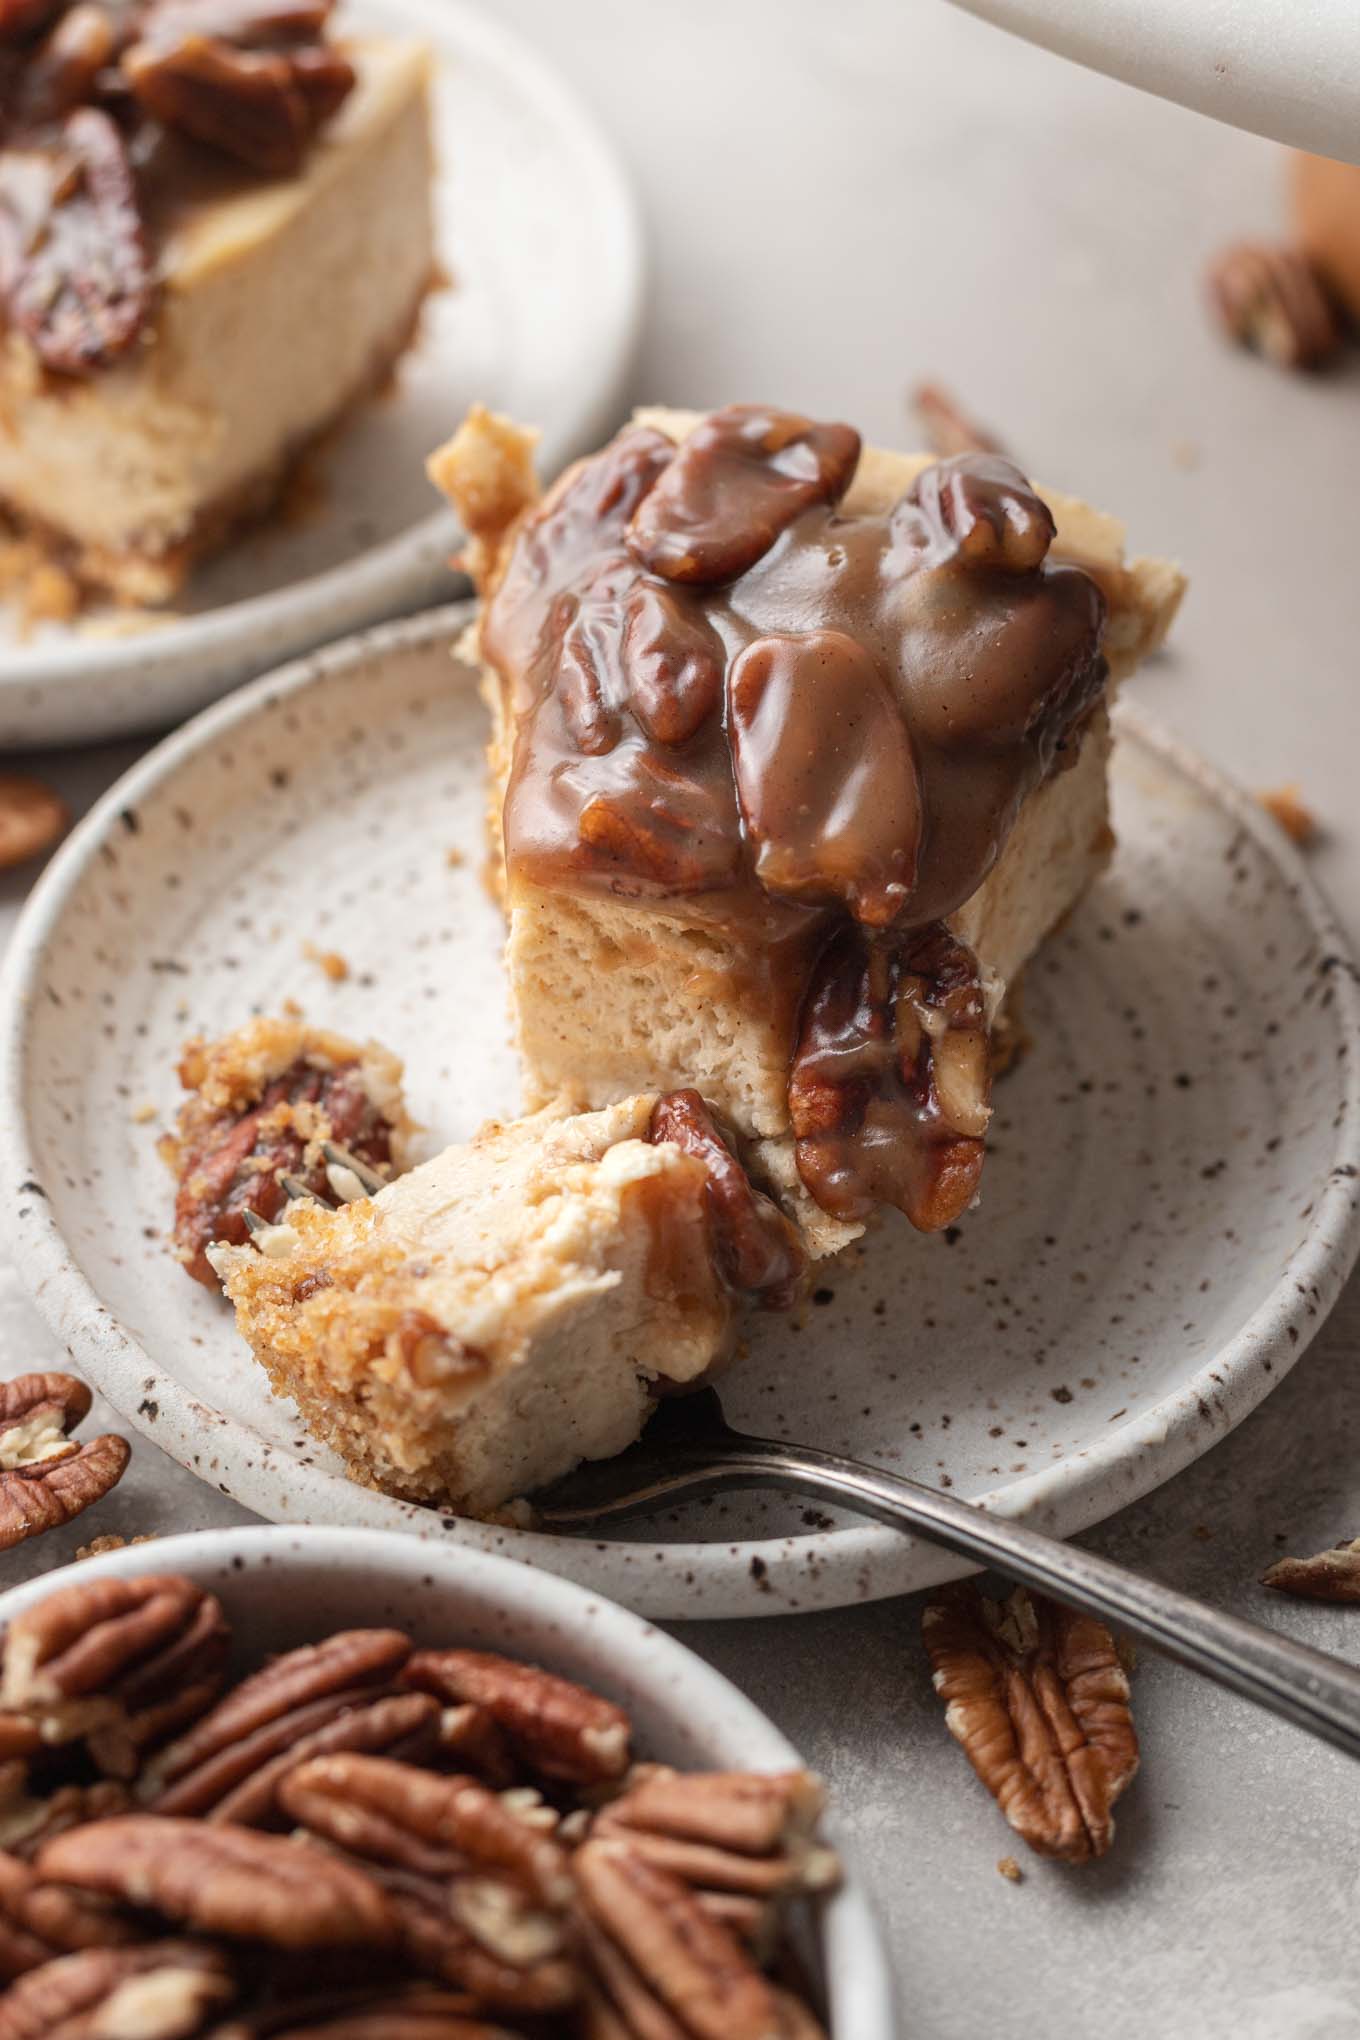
[[1171, 1204], [541, 239]]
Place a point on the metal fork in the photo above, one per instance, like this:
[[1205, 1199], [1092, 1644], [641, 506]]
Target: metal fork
[[690, 1452]]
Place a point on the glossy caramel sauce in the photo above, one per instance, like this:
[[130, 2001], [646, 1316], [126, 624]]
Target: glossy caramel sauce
[[815, 730]]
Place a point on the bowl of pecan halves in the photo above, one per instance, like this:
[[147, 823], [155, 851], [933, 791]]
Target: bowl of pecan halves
[[324, 1785]]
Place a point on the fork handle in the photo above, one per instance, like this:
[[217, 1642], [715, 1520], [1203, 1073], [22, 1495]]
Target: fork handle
[[1305, 1686]]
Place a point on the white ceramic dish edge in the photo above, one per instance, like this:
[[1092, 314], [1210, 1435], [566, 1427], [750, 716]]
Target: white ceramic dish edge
[[514, 1607], [1137, 1455]]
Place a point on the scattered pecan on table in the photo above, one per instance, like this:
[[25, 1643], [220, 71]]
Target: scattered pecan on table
[[1272, 300], [46, 1477], [32, 818], [1039, 1700], [1327, 1576], [471, 1852], [947, 426]]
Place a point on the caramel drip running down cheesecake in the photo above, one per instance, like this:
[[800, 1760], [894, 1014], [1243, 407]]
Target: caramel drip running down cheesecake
[[814, 729]]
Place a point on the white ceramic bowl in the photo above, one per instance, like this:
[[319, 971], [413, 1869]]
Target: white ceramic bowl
[[284, 1587]]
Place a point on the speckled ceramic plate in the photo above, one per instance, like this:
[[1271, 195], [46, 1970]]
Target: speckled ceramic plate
[[1169, 1208], [284, 1587], [539, 234]]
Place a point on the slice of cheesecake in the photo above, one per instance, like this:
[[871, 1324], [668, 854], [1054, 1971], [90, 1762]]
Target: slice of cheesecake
[[799, 753], [513, 1306], [203, 318]]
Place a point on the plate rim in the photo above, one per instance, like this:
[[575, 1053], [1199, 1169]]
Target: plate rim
[[395, 575], [856, 1563]]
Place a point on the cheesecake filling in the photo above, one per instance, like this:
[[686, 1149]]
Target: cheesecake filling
[[107, 111], [813, 730]]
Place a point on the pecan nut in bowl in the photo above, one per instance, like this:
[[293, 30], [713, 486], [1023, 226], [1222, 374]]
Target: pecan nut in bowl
[[1036, 1695], [165, 1990], [554, 1725], [46, 1477]]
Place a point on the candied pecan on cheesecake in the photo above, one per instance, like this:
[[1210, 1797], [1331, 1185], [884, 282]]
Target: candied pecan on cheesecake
[[264, 1103], [800, 751]]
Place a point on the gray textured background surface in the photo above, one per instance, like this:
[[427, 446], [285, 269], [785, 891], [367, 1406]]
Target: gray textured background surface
[[843, 200]]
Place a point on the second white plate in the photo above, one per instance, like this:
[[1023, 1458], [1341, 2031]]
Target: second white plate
[[539, 233], [1169, 1207]]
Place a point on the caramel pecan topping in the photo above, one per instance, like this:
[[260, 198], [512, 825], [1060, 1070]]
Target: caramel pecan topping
[[46, 1478], [74, 272], [20, 19], [126, 1660], [230, 1164], [224, 1880], [1036, 1695], [295, 1696], [260, 104], [161, 1991], [739, 480], [32, 817], [66, 68], [560, 1729], [1328, 1576], [888, 1088], [758, 1252], [1272, 299], [656, 1951], [825, 773]]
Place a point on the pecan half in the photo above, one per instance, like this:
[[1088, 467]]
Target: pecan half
[[74, 270], [65, 70], [758, 1252], [726, 1831], [406, 2015], [46, 1478], [272, 1712], [25, 1826], [32, 816], [889, 1082], [125, 1661], [1327, 1576], [224, 1880], [20, 19], [253, 81], [737, 482], [561, 1730], [657, 1954], [56, 1921], [1272, 300], [161, 1991], [1036, 1695], [414, 1819]]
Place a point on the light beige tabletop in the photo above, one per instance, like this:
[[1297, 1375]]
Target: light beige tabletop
[[842, 200]]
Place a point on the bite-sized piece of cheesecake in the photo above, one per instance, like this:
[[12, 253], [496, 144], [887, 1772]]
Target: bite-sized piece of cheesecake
[[277, 1100], [513, 1306], [800, 751], [215, 241]]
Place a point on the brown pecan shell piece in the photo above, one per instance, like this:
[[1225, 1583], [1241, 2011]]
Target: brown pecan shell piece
[[74, 270], [32, 816], [270, 1712], [758, 1252], [415, 1819], [224, 1880], [123, 1661], [557, 1728], [163, 1990], [659, 1956], [1327, 1576], [46, 1478], [1037, 1697]]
